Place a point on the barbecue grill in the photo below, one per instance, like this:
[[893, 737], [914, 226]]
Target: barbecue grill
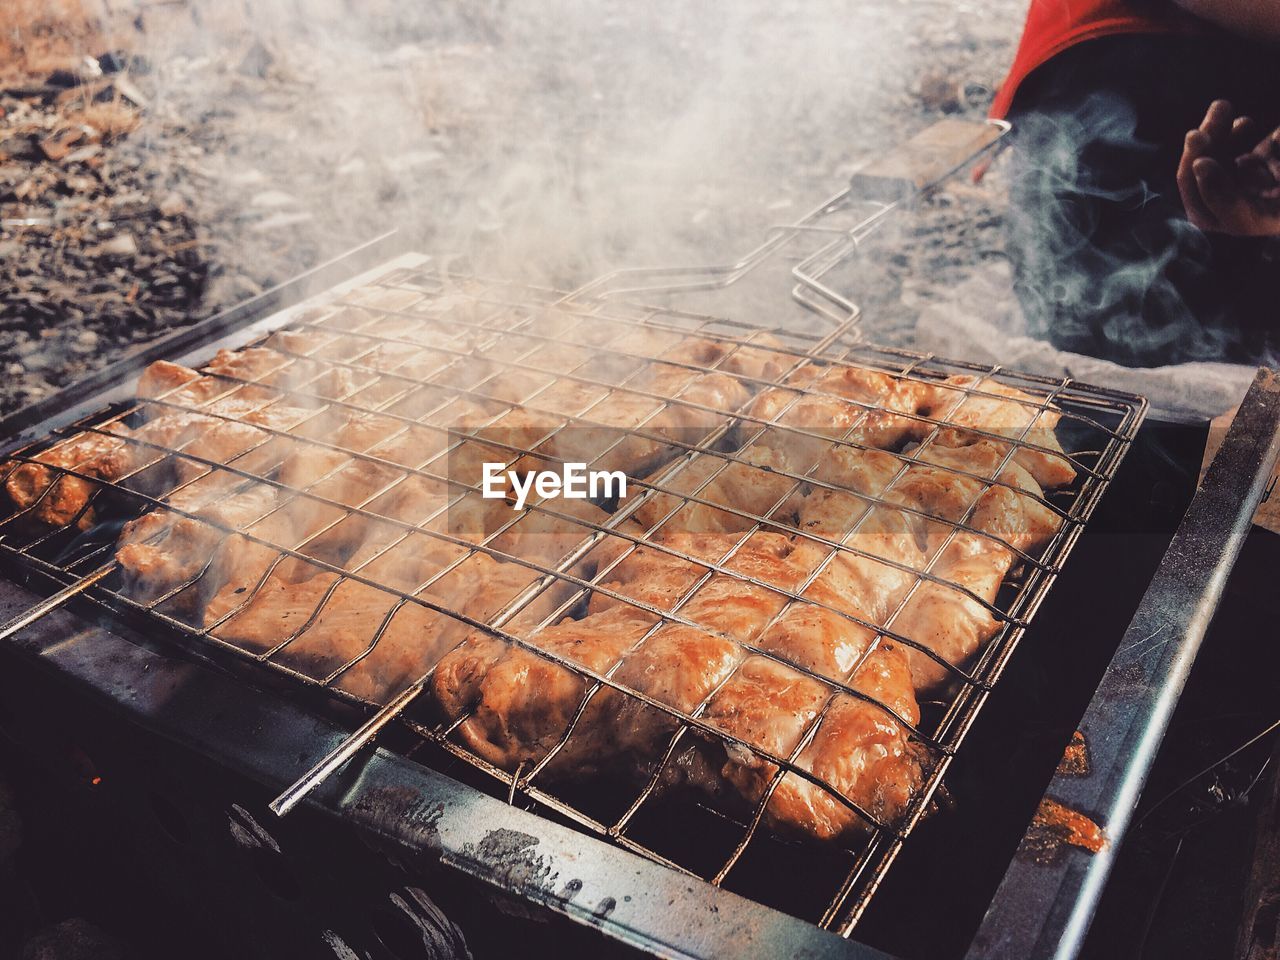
[[662, 874]]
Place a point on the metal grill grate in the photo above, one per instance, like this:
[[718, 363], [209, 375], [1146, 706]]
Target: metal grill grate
[[368, 356]]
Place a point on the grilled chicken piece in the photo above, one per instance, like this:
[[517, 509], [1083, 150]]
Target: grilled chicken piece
[[861, 586], [662, 398], [110, 458], [759, 360], [241, 563], [764, 359], [945, 620], [1022, 519], [869, 536], [607, 442], [943, 483], [329, 636], [56, 498], [862, 751], [820, 410], [730, 487], [161, 550], [518, 704], [325, 625], [208, 437], [1018, 417], [162, 378], [190, 388], [724, 603], [939, 617], [678, 666], [818, 639], [769, 706], [479, 588]]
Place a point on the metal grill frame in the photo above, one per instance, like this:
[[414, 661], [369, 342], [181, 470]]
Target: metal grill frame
[[869, 865]]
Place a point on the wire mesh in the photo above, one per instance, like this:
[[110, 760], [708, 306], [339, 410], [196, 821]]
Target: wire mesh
[[310, 503]]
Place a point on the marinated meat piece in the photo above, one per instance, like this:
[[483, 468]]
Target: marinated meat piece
[[179, 386], [252, 363], [211, 438], [488, 440], [750, 487], [521, 703], [325, 623], [414, 447], [678, 666], [308, 342], [240, 563], [873, 388], [546, 536], [939, 617], [162, 378], [818, 639], [943, 619], [455, 684], [759, 360], [862, 751], [649, 576], [185, 387], [261, 618], [724, 603], [162, 550], [733, 607], [679, 419], [869, 535], [1017, 417], [55, 497], [823, 412], [769, 706], [764, 359], [859, 749], [1024, 521], [414, 560], [479, 588]]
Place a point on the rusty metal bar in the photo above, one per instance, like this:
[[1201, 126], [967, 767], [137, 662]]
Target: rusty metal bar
[[1044, 905]]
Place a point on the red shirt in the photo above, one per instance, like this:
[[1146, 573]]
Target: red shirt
[[1054, 25]]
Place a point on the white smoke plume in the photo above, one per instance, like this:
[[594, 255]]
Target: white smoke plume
[[553, 139]]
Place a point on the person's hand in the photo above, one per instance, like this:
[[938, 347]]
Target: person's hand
[[1229, 178]]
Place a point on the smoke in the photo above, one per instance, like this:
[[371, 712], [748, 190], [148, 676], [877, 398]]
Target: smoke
[[550, 140], [1105, 261]]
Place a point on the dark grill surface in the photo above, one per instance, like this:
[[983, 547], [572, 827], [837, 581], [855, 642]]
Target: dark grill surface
[[481, 333]]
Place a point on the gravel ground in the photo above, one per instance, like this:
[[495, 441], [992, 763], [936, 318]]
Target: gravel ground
[[530, 139]]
